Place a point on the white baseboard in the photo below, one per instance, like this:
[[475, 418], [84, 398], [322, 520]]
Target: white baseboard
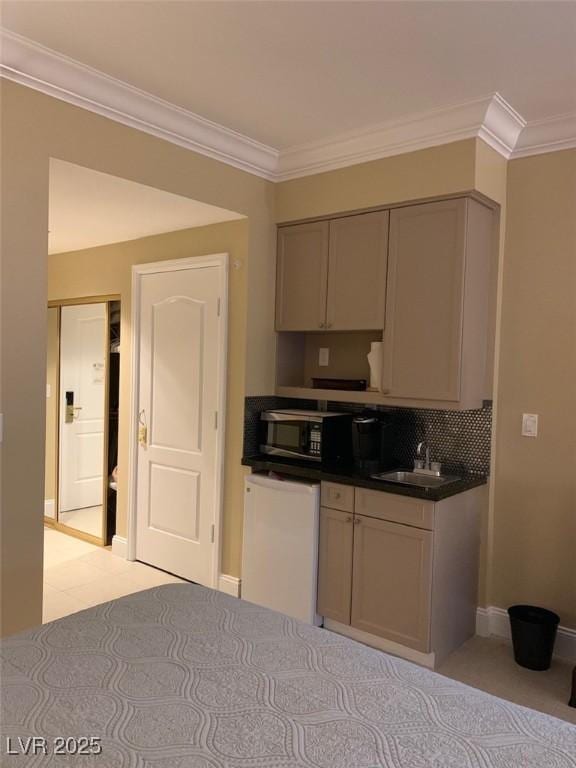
[[494, 621], [120, 546], [229, 584], [424, 659], [483, 622], [50, 508]]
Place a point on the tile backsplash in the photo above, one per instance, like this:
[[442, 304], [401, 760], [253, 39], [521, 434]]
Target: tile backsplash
[[460, 440]]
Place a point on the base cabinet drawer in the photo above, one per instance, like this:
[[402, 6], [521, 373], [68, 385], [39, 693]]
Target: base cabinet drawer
[[335, 565], [397, 509], [337, 496], [392, 581]]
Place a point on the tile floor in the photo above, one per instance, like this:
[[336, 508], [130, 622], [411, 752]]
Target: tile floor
[[78, 575], [88, 519]]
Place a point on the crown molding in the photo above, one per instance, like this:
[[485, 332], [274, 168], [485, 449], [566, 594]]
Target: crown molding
[[501, 126], [550, 135], [489, 118], [31, 64]]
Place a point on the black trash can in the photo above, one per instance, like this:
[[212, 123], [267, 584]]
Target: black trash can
[[533, 635]]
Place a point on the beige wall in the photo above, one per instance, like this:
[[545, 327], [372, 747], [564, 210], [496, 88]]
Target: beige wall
[[534, 517], [34, 128], [491, 179], [108, 270], [435, 171], [52, 360], [530, 533]]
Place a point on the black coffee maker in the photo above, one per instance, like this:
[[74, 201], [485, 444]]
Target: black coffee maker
[[372, 441]]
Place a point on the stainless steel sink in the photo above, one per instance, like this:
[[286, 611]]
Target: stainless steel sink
[[415, 478]]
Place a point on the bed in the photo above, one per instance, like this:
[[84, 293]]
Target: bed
[[186, 677]]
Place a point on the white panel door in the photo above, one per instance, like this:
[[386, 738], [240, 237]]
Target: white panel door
[[177, 471], [82, 381]]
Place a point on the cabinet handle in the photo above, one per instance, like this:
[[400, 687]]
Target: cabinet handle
[[328, 325], [386, 391], [348, 519], [357, 521], [337, 494], [321, 325]]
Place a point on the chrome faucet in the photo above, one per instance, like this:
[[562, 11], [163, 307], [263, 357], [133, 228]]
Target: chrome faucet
[[423, 463], [424, 466]]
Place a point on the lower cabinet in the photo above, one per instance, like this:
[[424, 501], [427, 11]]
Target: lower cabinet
[[391, 581], [335, 564], [400, 570]]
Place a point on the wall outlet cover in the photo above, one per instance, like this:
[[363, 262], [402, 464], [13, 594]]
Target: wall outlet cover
[[324, 356]]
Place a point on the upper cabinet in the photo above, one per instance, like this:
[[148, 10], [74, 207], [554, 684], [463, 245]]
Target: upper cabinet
[[301, 283], [357, 272], [332, 275], [420, 278], [435, 337]]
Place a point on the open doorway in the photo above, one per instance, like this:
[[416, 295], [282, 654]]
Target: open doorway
[[101, 229]]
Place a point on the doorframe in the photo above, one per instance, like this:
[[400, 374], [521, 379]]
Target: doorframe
[[220, 260]]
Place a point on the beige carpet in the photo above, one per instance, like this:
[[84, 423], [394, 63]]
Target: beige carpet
[[487, 663]]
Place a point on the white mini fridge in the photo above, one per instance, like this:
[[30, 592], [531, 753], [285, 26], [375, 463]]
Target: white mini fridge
[[280, 549]]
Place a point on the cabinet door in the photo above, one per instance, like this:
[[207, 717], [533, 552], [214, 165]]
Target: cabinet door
[[357, 272], [392, 581], [424, 303], [301, 277], [335, 565]]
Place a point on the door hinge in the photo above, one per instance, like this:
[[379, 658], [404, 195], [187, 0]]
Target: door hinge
[[212, 533], [215, 419], [219, 302]]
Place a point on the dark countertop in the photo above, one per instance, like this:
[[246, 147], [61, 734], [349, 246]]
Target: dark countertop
[[349, 475]]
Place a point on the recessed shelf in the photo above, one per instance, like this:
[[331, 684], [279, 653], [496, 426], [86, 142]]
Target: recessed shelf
[[297, 364], [300, 353]]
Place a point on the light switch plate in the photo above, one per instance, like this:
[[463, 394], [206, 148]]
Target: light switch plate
[[530, 424], [48, 390], [324, 356]]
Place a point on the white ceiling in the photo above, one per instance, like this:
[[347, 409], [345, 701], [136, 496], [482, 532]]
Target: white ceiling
[[88, 208], [287, 73]]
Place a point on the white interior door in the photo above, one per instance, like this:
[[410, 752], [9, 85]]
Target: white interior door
[[82, 384], [181, 379]]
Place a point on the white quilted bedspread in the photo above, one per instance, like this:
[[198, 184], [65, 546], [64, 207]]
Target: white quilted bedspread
[[185, 677]]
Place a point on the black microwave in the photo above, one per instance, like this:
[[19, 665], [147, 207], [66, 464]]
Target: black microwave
[[309, 435]]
